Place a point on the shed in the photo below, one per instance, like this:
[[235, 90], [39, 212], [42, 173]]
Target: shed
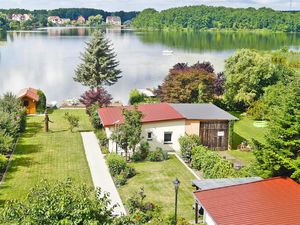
[[29, 98], [208, 121]]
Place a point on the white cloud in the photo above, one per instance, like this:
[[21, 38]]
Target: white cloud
[[114, 5]]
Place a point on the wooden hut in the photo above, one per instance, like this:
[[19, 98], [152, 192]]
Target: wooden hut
[[29, 98]]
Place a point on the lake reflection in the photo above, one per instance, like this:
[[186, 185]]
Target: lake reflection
[[46, 59]]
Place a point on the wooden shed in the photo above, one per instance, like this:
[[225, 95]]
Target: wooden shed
[[208, 121], [29, 98]]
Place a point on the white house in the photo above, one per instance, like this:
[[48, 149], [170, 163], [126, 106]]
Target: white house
[[21, 17], [163, 124], [113, 20]]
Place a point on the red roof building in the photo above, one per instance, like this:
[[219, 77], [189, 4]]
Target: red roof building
[[29, 98], [266, 202], [152, 113]]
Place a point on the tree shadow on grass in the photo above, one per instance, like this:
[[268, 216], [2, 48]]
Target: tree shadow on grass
[[32, 129]]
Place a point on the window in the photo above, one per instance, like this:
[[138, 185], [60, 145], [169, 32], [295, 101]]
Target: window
[[26, 103], [149, 136], [168, 137]]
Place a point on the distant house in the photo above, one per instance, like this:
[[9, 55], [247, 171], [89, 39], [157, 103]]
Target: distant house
[[164, 123], [113, 21], [81, 20], [21, 17], [272, 201], [29, 98], [54, 19], [147, 91]]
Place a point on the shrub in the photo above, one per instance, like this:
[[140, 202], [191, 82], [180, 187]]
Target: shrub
[[187, 143], [6, 143], [129, 172], [158, 155], [120, 179], [98, 96], [94, 117], [63, 203], [144, 149], [211, 164], [9, 125], [103, 140], [42, 102], [104, 150], [72, 120], [3, 161], [116, 164], [137, 156]]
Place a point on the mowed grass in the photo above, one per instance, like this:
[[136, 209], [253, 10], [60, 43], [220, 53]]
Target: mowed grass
[[56, 155], [245, 130], [157, 180]]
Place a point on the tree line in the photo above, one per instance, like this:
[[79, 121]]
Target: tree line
[[209, 17], [40, 17]]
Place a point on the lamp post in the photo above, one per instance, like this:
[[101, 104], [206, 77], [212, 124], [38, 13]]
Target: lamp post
[[176, 185], [116, 126]]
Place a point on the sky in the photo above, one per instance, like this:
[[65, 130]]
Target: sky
[[138, 5]]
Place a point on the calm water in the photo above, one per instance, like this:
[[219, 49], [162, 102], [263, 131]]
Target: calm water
[[47, 59]]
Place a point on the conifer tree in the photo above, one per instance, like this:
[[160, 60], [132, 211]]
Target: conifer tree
[[99, 64]]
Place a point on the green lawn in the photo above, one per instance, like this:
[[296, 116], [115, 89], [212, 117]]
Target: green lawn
[[245, 157], [244, 130], [56, 155], [157, 178]]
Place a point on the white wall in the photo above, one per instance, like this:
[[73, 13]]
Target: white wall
[[177, 127], [207, 219]]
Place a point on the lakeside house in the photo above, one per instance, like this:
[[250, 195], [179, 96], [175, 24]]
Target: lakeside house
[[58, 21], [21, 17], [29, 98], [271, 201], [164, 123], [113, 21], [81, 20]]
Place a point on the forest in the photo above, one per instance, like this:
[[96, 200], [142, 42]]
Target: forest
[[208, 17]]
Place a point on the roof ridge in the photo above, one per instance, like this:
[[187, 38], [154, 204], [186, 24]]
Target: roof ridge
[[234, 185]]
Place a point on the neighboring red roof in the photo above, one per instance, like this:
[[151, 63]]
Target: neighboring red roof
[[30, 93], [267, 202], [151, 112]]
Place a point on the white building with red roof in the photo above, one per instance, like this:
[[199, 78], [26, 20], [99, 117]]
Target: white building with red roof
[[271, 201], [164, 123]]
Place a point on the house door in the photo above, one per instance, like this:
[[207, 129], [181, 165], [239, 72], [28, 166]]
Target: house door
[[214, 135]]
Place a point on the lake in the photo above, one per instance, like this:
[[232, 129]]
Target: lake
[[46, 59]]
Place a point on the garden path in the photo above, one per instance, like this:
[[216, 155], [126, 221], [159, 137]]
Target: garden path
[[99, 171]]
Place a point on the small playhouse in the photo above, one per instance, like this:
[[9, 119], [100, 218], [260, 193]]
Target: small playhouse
[[29, 98]]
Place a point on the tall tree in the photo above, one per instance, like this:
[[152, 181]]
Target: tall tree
[[186, 84], [281, 155], [248, 73], [99, 64]]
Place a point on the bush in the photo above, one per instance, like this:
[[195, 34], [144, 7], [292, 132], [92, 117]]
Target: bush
[[72, 120], [42, 102], [104, 150], [103, 140], [3, 162], [9, 125], [137, 156], [94, 117], [187, 143], [158, 155], [211, 164], [6, 143], [144, 149], [62, 202], [116, 164], [120, 179]]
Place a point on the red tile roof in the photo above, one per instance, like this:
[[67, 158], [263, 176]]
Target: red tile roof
[[152, 113], [267, 202], [30, 93]]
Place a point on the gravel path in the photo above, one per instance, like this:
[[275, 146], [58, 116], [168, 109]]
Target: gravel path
[[99, 171]]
